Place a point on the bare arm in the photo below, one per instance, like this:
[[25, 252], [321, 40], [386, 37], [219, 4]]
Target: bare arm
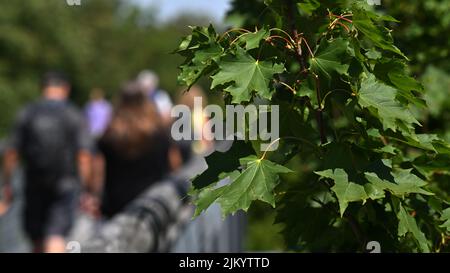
[[91, 181], [11, 158], [85, 169], [10, 162], [175, 158], [98, 173]]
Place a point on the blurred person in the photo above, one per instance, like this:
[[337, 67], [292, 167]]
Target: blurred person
[[149, 83], [98, 112], [51, 138], [198, 120], [136, 149]]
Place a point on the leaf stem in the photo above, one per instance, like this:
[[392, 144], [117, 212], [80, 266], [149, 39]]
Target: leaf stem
[[268, 147], [344, 26], [299, 38], [233, 30], [307, 45], [337, 19], [288, 86], [288, 137], [332, 91], [284, 32], [238, 37], [342, 17], [281, 37], [297, 41]]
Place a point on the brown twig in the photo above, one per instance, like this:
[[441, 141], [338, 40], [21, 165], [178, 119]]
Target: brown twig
[[319, 112], [300, 58]]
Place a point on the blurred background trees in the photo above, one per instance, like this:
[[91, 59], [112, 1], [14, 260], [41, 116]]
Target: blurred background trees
[[99, 44], [423, 33]]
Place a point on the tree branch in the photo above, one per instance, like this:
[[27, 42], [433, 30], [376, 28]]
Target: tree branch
[[300, 58], [319, 112]]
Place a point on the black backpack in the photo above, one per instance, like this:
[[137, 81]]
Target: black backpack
[[47, 138]]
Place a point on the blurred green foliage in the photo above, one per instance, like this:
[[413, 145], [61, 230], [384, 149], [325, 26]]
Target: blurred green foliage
[[262, 234], [423, 34], [101, 43]]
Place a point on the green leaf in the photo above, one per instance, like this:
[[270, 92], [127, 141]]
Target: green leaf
[[209, 195], [200, 36], [213, 52], [206, 198], [445, 216], [245, 74], [199, 65], [256, 182], [429, 142], [363, 22], [229, 161], [405, 183], [328, 58], [388, 149], [372, 14], [346, 191], [253, 39], [308, 6], [394, 72], [423, 141], [401, 80], [406, 224], [373, 54], [429, 166], [387, 18], [201, 51], [380, 99]]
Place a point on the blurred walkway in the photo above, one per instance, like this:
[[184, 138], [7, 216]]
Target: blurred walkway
[[207, 233], [12, 239]]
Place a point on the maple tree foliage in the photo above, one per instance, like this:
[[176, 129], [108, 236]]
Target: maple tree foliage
[[351, 166]]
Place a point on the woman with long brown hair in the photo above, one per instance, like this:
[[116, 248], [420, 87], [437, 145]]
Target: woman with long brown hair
[[135, 148]]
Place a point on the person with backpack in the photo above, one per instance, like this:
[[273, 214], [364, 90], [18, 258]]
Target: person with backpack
[[51, 138]]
